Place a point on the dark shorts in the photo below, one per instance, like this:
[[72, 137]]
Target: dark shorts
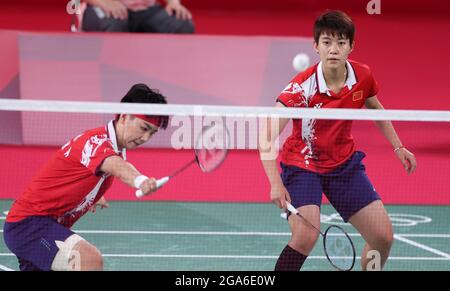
[[32, 240], [347, 188]]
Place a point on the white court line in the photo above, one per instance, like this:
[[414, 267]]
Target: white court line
[[422, 246], [4, 268], [425, 235], [242, 257], [251, 257], [237, 233], [249, 233]]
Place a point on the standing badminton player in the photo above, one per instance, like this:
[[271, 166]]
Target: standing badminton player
[[37, 228], [320, 155]]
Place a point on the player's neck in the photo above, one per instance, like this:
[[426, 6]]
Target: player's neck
[[335, 77], [118, 128]]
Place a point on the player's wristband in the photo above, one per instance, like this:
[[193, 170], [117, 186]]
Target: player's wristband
[[139, 180], [398, 148]]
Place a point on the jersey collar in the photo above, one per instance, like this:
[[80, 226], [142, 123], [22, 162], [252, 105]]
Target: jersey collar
[[113, 138], [351, 79]]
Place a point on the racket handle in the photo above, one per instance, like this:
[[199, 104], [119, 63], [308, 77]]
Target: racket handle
[[291, 208], [139, 193], [162, 181], [159, 184]]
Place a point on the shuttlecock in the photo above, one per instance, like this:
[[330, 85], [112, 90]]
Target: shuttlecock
[[300, 62]]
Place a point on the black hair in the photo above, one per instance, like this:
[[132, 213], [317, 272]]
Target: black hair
[[334, 22], [141, 93]]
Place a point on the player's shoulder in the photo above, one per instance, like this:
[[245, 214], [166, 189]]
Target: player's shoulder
[[305, 75], [96, 134], [361, 70], [96, 131]]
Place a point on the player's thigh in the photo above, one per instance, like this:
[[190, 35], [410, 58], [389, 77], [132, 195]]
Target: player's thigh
[[155, 19], [349, 192], [305, 191], [374, 224], [94, 19], [304, 187], [35, 239], [79, 255]]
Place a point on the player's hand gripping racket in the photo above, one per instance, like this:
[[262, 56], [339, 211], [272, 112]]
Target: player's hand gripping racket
[[338, 246], [210, 150]]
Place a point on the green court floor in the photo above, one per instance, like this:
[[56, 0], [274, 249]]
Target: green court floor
[[238, 236]]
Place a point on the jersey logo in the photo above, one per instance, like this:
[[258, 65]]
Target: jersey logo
[[358, 95], [90, 148], [67, 153], [293, 88]]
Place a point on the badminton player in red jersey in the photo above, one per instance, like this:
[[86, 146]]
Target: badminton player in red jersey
[[37, 228], [320, 155]]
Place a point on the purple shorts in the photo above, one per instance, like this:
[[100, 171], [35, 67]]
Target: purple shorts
[[347, 187], [32, 240]]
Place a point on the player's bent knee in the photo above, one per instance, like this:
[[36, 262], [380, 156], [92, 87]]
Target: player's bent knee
[[187, 28], [68, 258], [304, 242], [91, 258], [385, 240], [382, 241], [76, 254]]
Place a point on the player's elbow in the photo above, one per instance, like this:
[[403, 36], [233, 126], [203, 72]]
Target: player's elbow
[[107, 165]]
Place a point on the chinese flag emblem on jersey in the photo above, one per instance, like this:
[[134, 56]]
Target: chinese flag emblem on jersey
[[357, 95]]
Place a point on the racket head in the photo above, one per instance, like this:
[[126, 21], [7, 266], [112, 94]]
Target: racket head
[[211, 147], [339, 248]]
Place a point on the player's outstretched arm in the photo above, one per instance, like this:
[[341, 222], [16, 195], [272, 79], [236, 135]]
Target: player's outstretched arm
[[270, 130], [128, 174], [407, 158]]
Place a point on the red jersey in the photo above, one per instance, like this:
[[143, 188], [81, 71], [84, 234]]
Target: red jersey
[[322, 145], [70, 183]]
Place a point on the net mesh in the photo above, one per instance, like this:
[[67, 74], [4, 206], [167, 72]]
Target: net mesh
[[224, 220]]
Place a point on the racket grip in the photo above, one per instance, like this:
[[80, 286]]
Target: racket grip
[[159, 184], [291, 208], [139, 193]]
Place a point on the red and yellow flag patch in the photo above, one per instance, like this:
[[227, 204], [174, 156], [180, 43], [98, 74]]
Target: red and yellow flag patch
[[357, 95]]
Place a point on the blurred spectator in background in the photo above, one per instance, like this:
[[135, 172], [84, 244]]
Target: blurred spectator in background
[[137, 16]]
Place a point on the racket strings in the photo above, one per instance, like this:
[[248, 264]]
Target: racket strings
[[339, 248], [212, 147]]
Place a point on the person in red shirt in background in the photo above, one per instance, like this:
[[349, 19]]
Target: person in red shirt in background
[[320, 155], [137, 16], [37, 228]]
